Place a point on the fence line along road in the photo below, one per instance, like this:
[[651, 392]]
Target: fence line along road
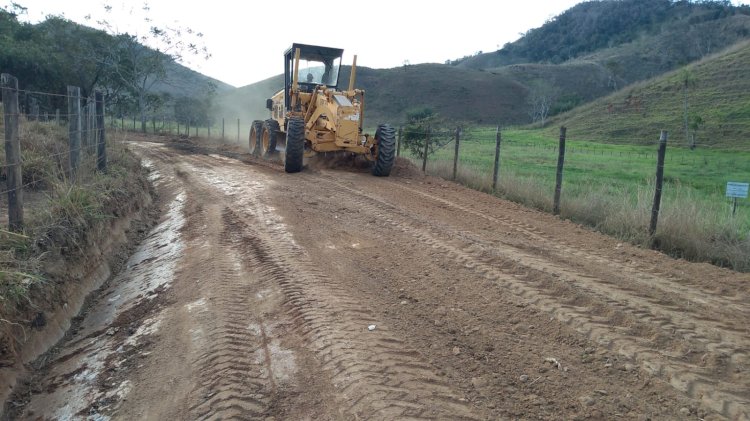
[[86, 133]]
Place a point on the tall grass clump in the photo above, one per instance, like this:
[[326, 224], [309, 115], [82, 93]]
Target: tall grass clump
[[690, 226], [61, 214]]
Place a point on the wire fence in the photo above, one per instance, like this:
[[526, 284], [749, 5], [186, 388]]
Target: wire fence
[[233, 130], [479, 147], [485, 159], [628, 165], [39, 149]]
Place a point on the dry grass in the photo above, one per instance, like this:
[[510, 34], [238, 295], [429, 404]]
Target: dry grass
[[689, 227], [60, 217]]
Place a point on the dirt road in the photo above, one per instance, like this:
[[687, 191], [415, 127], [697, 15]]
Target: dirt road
[[335, 295]]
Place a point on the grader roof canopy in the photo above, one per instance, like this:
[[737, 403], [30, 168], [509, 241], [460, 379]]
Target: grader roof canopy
[[318, 66], [314, 52]]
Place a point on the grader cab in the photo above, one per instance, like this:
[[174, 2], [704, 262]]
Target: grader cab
[[312, 115]]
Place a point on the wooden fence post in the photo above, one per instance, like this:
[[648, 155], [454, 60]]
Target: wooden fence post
[[84, 128], [238, 130], [133, 123], [91, 118], [222, 128], [659, 182], [74, 128], [426, 148], [560, 163], [209, 129], [57, 116], [34, 110], [101, 147], [92, 125], [398, 141], [455, 155], [496, 172], [14, 176]]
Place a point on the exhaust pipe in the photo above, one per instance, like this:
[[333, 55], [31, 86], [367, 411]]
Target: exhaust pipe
[[353, 76]]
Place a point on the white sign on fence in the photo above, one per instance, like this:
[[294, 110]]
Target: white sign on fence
[[737, 190]]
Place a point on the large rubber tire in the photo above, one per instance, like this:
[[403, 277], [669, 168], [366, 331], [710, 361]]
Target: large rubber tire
[[256, 130], [385, 135], [295, 145], [268, 139]]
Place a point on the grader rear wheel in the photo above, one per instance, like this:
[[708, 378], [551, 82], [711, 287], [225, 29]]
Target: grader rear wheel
[[268, 138], [255, 141]]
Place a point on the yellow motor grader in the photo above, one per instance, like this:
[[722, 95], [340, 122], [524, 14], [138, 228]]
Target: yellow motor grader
[[311, 115]]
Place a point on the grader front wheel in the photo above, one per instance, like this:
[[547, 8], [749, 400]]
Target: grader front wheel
[[385, 135], [295, 145]]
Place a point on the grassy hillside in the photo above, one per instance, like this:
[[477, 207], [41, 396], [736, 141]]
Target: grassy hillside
[[588, 52], [717, 96], [598, 47], [461, 94], [572, 83]]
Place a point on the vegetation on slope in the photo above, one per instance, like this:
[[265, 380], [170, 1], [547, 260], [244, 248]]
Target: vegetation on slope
[[62, 219], [714, 90], [598, 25]]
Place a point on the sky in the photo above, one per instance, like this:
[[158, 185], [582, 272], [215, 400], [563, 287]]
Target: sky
[[246, 39]]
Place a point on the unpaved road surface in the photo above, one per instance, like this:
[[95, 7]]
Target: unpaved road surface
[[335, 295]]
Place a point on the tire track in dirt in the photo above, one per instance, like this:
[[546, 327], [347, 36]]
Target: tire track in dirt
[[237, 360], [230, 381], [603, 287], [375, 375], [512, 271], [624, 308], [564, 251]]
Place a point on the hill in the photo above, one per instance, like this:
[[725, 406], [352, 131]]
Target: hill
[[247, 102], [589, 51], [718, 107], [463, 94], [688, 30]]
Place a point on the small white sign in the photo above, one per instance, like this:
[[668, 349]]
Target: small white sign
[[738, 190]]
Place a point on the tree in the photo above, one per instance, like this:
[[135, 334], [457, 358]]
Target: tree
[[138, 62], [541, 97], [414, 136], [696, 123], [687, 80], [614, 68], [79, 51], [418, 122]]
